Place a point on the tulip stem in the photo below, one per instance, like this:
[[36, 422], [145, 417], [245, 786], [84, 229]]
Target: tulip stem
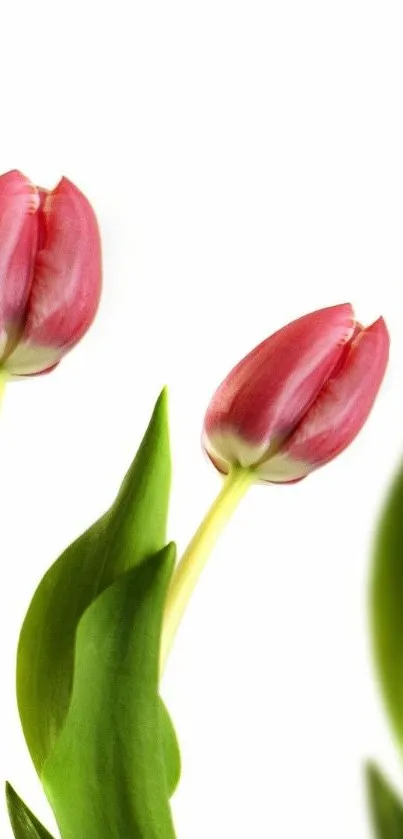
[[4, 377], [191, 565]]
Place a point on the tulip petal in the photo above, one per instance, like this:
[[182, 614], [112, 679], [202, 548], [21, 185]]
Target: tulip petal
[[225, 448], [67, 280], [29, 360], [19, 201], [282, 469], [344, 402], [268, 392]]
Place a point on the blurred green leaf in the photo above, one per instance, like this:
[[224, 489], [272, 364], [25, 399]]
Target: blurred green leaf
[[133, 528], [386, 808], [106, 775], [386, 604], [25, 825]]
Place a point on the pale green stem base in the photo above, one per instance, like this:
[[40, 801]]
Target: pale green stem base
[[4, 377], [194, 559]]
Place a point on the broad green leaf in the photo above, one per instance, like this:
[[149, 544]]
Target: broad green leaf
[[386, 604], [172, 755], [106, 775], [386, 808], [25, 825], [131, 530]]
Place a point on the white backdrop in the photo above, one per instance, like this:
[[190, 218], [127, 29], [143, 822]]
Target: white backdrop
[[245, 161]]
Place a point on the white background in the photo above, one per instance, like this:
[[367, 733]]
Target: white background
[[245, 161]]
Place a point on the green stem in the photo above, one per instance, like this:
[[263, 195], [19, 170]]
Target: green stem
[[194, 559], [4, 377]]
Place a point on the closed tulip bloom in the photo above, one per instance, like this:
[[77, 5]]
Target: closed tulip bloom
[[50, 272], [299, 398]]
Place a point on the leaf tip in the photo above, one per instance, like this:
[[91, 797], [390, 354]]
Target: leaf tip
[[162, 405]]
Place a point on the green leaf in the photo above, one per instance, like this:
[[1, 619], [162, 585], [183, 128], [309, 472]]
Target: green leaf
[[131, 530], [386, 604], [25, 825], [386, 808], [105, 778], [172, 755]]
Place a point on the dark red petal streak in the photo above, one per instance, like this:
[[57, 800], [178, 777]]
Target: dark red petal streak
[[345, 401], [269, 391], [67, 280]]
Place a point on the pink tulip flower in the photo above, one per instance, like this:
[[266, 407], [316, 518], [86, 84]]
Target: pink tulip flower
[[299, 398], [50, 272]]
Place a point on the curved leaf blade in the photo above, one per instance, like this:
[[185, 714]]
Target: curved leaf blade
[[386, 807], [106, 775], [172, 755], [386, 604], [25, 825], [134, 528]]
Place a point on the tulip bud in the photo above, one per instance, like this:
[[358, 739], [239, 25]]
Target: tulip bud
[[299, 398], [50, 272]]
